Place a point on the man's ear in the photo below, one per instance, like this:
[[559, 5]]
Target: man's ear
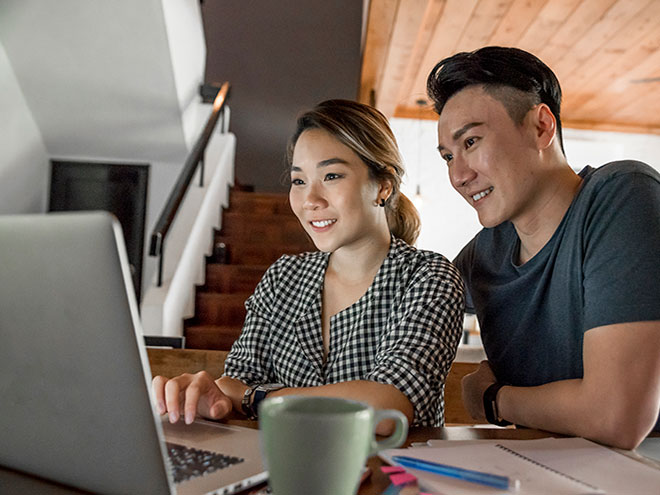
[[545, 125]]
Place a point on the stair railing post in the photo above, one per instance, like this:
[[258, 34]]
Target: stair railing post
[[160, 263]]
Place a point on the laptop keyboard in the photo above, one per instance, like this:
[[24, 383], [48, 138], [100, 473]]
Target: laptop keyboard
[[187, 462]]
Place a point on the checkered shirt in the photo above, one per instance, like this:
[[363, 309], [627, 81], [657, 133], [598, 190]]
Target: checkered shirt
[[403, 331]]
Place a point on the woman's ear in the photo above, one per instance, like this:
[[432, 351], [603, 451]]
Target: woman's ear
[[385, 189], [545, 125]]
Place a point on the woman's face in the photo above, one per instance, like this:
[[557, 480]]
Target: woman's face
[[332, 194]]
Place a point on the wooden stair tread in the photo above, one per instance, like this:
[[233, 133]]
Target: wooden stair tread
[[262, 203], [256, 230], [232, 278]]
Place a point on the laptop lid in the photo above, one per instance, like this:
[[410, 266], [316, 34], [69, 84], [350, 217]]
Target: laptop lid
[[74, 375]]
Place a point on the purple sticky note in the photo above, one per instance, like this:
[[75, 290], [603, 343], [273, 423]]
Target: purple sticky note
[[402, 478]]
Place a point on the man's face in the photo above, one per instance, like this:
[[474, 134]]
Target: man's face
[[490, 158]]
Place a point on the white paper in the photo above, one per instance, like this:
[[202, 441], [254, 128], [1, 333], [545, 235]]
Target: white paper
[[549, 465]]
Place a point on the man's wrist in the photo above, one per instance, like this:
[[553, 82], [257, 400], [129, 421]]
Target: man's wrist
[[491, 409]]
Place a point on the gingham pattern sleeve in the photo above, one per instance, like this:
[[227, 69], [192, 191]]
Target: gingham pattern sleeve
[[417, 349], [248, 359]]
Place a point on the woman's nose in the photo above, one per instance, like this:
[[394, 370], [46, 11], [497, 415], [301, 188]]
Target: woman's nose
[[314, 198]]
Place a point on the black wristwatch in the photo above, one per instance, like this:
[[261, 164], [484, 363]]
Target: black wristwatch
[[490, 405], [255, 395]]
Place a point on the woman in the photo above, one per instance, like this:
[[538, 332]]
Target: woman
[[368, 317]]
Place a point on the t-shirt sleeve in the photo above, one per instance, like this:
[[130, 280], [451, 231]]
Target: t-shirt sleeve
[[417, 350], [249, 358], [622, 242]]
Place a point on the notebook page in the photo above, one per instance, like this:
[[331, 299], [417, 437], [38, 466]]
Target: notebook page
[[587, 461], [489, 458]]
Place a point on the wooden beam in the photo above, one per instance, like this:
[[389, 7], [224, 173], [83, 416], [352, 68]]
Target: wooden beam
[[380, 25]]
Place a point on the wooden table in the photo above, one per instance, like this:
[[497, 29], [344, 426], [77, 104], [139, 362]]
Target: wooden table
[[18, 483]]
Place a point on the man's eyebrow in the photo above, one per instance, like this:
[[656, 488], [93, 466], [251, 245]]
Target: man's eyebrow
[[460, 132]]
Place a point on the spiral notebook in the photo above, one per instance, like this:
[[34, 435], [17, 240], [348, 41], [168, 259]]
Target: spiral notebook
[[561, 466]]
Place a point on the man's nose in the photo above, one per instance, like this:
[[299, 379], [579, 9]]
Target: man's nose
[[460, 173]]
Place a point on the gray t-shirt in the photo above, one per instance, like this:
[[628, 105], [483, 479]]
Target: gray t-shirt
[[600, 267]]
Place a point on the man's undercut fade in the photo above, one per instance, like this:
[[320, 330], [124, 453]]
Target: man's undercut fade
[[514, 77]]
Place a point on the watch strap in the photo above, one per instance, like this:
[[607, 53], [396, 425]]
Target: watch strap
[[260, 393], [246, 402], [490, 405]]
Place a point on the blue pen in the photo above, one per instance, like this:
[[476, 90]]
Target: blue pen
[[487, 479]]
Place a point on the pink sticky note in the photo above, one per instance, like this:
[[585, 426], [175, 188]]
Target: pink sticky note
[[402, 478], [392, 469]]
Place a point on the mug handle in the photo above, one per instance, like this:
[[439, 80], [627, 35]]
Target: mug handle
[[399, 435]]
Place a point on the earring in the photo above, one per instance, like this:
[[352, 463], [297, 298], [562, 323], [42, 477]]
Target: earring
[[382, 203]]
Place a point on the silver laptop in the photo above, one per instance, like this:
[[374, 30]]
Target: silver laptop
[[75, 385]]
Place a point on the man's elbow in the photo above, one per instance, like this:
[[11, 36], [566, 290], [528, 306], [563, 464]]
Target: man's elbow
[[627, 429]]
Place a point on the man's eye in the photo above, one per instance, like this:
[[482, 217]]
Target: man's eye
[[469, 142], [447, 157]]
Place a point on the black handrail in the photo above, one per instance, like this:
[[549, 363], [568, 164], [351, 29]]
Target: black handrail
[[195, 158]]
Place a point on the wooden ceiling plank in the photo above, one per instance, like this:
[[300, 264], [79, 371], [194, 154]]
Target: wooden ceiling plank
[[448, 30], [546, 24], [485, 20], [633, 126], [516, 22], [569, 33], [639, 113], [638, 40], [434, 10], [629, 89], [380, 24], [588, 47], [409, 17]]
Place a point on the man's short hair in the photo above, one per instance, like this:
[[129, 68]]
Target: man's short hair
[[514, 77]]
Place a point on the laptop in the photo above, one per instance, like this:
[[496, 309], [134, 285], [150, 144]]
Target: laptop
[[75, 383]]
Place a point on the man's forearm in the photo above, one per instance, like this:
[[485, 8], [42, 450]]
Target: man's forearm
[[571, 408]]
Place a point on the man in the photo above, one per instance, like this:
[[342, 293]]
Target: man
[[565, 275]]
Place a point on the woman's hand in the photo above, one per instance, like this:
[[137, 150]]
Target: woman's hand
[[190, 395]]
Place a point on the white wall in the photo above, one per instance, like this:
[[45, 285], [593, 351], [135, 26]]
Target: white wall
[[185, 35], [24, 163], [448, 222]]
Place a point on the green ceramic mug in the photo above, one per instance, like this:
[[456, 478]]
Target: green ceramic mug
[[318, 445]]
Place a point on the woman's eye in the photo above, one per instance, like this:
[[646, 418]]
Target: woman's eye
[[333, 176], [297, 182]]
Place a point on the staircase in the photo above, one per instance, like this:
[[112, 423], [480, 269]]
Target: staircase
[[257, 229]]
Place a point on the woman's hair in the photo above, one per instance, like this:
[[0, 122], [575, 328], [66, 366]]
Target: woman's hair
[[366, 131]]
